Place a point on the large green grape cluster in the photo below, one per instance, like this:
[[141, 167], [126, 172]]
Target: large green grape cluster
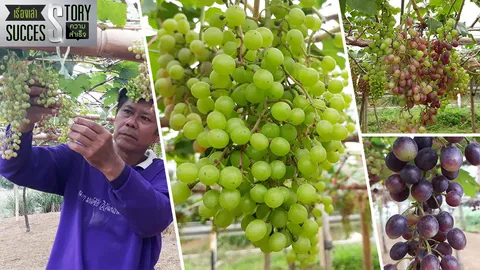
[[267, 117], [139, 87]]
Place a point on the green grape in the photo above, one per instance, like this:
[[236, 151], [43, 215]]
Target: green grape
[[253, 40], [235, 15], [206, 212], [213, 36], [276, 91], [335, 86], [302, 245], [187, 172], [230, 177], [297, 213], [216, 120], [261, 170], [257, 193], [210, 198], [180, 191], [274, 197], [318, 153], [281, 111], [297, 116], [279, 146], [308, 77], [306, 193], [267, 36], [254, 94], [201, 90], [256, 230], [229, 198], [223, 218], [263, 79], [306, 166], [271, 130], [218, 138], [223, 64], [277, 241], [296, 17], [331, 115], [208, 175], [278, 169], [295, 37], [192, 129], [241, 135], [279, 218], [259, 141], [313, 22]]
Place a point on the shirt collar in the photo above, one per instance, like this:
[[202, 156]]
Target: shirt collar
[[147, 162]]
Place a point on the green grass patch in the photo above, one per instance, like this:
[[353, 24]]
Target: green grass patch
[[450, 120], [344, 257]]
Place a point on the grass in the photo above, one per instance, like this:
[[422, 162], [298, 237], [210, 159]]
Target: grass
[[450, 120], [344, 257], [472, 220]]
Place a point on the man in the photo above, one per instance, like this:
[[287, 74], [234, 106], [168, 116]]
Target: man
[[116, 201]]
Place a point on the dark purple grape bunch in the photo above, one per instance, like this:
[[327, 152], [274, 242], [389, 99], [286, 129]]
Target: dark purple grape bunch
[[426, 173]]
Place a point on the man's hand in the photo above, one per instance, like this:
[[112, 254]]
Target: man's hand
[[36, 111], [95, 144]]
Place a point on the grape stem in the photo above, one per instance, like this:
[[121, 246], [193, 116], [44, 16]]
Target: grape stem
[[458, 15], [240, 36], [219, 160], [240, 166], [192, 185], [202, 21], [302, 88], [257, 124]]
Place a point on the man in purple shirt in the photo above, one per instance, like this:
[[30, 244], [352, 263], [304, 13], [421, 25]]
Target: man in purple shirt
[[116, 201]]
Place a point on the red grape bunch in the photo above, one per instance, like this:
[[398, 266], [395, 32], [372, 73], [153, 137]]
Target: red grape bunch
[[426, 174]]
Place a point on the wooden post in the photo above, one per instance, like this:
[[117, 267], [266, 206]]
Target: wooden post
[[25, 209], [267, 261], [364, 221], [17, 208], [472, 105], [213, 248], [327, 239], [321, 248], [382, 228]]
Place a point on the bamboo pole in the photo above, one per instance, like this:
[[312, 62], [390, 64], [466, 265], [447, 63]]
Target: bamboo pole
[[472, 105], [364, 221]]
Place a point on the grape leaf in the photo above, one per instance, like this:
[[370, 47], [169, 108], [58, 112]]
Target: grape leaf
[[365, 6], [433, 24], [115, 12], [127, 70], [167, 10], [467, 182], [321, 2], [77, 86], [97, 78], [331, 50], [110, 97], [462, 29]]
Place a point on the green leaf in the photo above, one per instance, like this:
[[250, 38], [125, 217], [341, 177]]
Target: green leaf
[[167, 10], [365, 6], [437, 2], [471, 45], [433, 24], [184, 147], [77, 86], [342, 6], [110, 97], [462, 28], [321, 2], [127, 70], [191, 13], [115, 12], [97, 78], [148, 6], [467, 182]]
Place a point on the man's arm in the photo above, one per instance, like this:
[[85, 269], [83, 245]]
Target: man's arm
[[146, 205], [40, 168]]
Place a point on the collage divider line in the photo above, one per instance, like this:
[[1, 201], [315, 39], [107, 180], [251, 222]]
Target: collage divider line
[[162, 143]]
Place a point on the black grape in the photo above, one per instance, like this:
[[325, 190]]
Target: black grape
[[453, 199], [426, 159], [423, 142], [454, 139], [451, 158], [456, 238], [412, 247], [427, 226], [393, 163], [396, 226], [411, 174], [445, 221], [449, 263], [405, 148], [401, 196], [430, 262], [398, 251], [444, 248], [435, 201], [472, 153], [394, 183], [450, 175], [422, 190], [390, 267], [456, 187], [439, 183]]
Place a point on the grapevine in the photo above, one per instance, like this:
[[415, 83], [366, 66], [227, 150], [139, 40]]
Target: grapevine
[[266, 115], [416, 60], [424, 168]]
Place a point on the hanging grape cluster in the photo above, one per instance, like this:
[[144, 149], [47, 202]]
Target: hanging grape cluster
[[427, 230], [419, 64], [18, 75], [266, 115], [139, 87]]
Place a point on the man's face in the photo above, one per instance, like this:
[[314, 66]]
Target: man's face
[[135, 126]]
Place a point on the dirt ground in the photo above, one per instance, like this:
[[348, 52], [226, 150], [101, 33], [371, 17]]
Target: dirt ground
[[21, 250], [468, 256]]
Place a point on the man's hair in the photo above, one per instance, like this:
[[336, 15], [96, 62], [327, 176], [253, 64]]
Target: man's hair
[[122, 98]]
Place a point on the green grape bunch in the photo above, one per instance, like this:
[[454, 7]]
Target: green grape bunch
[[266, 115], [18, 75], [139, 87]]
